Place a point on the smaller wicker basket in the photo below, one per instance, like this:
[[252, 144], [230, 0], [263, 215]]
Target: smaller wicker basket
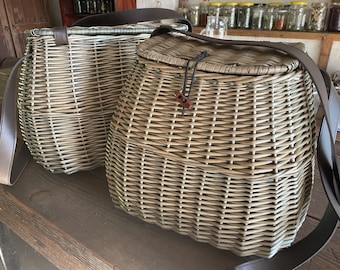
[[236, 167], [68, 93]]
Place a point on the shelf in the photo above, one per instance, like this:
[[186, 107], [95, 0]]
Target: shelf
[[279, 34]]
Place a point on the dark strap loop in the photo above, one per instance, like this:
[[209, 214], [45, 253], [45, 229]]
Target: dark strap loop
[[60, 36], [305, 249]]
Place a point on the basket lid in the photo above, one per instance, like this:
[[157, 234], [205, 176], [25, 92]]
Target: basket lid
[[222, 58]]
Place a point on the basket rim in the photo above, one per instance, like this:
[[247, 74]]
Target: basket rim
[[149, 51], [128, 29]]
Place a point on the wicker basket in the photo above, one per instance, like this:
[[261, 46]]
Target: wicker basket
[[235, 170], [67, 93]]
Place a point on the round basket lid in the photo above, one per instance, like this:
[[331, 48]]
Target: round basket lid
[[222, 58]]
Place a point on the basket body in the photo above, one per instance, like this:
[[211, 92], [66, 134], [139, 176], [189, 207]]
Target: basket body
[[237, 170], [67, 93]]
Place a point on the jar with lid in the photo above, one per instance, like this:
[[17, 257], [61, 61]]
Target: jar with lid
[[297, 15], [194, 15], [229, 12], [244, 15], [318, 16], [257, 16], [334, 16], [280, 19], [269, 15], [204, 11], [215, 8]]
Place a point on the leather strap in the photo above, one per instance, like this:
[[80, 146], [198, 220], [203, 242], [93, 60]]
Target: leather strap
[[132, 16], [8, 132], [300, 252], [60, 36]]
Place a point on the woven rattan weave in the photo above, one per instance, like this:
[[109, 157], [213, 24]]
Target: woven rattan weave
[[67, 93], [237, 170]]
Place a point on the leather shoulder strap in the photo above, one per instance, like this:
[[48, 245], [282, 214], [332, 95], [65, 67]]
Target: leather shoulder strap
[[8, 132], [305, 249], [131, 16]]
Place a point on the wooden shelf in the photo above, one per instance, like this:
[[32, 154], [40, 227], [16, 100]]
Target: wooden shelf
[[280, 34]]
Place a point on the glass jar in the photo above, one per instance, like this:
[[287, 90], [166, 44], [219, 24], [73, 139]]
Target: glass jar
[[280, 19], [184, 12], [244, 15], [297, 15], [334, 17], [215, 8], [229, 11], [77, 8], [194, 15], [204, 11], [318, 16], [257, 16], [269, 15], [215, 27]]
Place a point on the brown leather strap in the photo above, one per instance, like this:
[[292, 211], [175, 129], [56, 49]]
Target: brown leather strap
[[131, 16], [8, 132], [60, 36], [297, 254]]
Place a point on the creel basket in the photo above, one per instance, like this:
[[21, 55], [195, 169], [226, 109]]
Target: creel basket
[[235, 167]]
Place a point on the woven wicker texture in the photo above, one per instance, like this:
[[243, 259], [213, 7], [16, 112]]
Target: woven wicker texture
[[67, 93], [237, 170]]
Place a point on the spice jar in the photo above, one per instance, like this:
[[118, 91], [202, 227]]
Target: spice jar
[[204, 11], [297, 14], [244, 15], [229, 11], [194, 15], [334, 17], [257, 16], [280, 19], [269, 15], [215, 8], [318, 16]]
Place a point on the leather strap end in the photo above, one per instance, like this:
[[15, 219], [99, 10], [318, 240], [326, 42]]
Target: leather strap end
[[60, 35]]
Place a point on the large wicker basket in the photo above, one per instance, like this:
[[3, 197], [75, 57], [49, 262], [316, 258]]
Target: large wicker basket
[[67, 93], [235, 167]]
